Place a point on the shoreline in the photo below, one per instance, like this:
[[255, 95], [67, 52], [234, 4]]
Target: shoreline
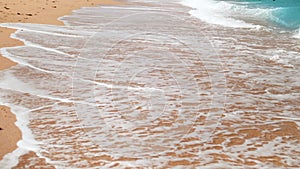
[[259, 109], [40, 12], [10, 134]]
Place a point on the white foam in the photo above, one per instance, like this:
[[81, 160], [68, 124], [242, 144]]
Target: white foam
[[27, 143], [19, 61], [216, 13], [105, 125], [27, 43], [125, 87], [297, 35], [63, 31], [17, 85], [9, 82]]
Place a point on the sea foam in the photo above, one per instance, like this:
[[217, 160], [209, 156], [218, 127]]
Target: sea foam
[[218, 13], [297, 35]]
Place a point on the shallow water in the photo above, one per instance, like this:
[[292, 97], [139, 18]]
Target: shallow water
[[147, 85], [279, 14], [284, 13]]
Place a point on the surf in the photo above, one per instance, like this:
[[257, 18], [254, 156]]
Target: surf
[[279, 14]]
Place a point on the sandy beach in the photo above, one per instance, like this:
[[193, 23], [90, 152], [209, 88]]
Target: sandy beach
[[156, 89], [9, 133], [39, 11]]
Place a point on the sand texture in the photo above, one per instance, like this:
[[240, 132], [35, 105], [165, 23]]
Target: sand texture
[[37, 11]]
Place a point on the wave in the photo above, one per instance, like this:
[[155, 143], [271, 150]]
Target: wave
[[244, 14], [286, 17], [223, 13]]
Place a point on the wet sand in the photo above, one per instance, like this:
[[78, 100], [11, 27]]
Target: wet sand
[[38, 11], [254, 123], [9, 132], [6, 42]]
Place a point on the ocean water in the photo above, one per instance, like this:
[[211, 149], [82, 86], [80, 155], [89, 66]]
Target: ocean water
[[280, 14], [156, 84]]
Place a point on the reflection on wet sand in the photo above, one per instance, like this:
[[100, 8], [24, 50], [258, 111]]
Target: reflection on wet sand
[[141, 92]]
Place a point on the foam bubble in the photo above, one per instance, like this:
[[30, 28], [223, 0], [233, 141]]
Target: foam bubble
[[216, 13], [297, 35], [107, 107], [27, 143]]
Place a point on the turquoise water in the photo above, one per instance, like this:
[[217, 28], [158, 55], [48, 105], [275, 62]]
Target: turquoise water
[[283, 13]]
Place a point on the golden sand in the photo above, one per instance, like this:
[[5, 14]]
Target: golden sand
[[37, 11], [9, 132]]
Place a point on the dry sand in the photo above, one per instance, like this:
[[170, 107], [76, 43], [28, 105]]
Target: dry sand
[[43, 11], [37, 11]]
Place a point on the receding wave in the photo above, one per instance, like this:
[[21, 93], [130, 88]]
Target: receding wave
[[144, 85], [246, 14], [217, 13]]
